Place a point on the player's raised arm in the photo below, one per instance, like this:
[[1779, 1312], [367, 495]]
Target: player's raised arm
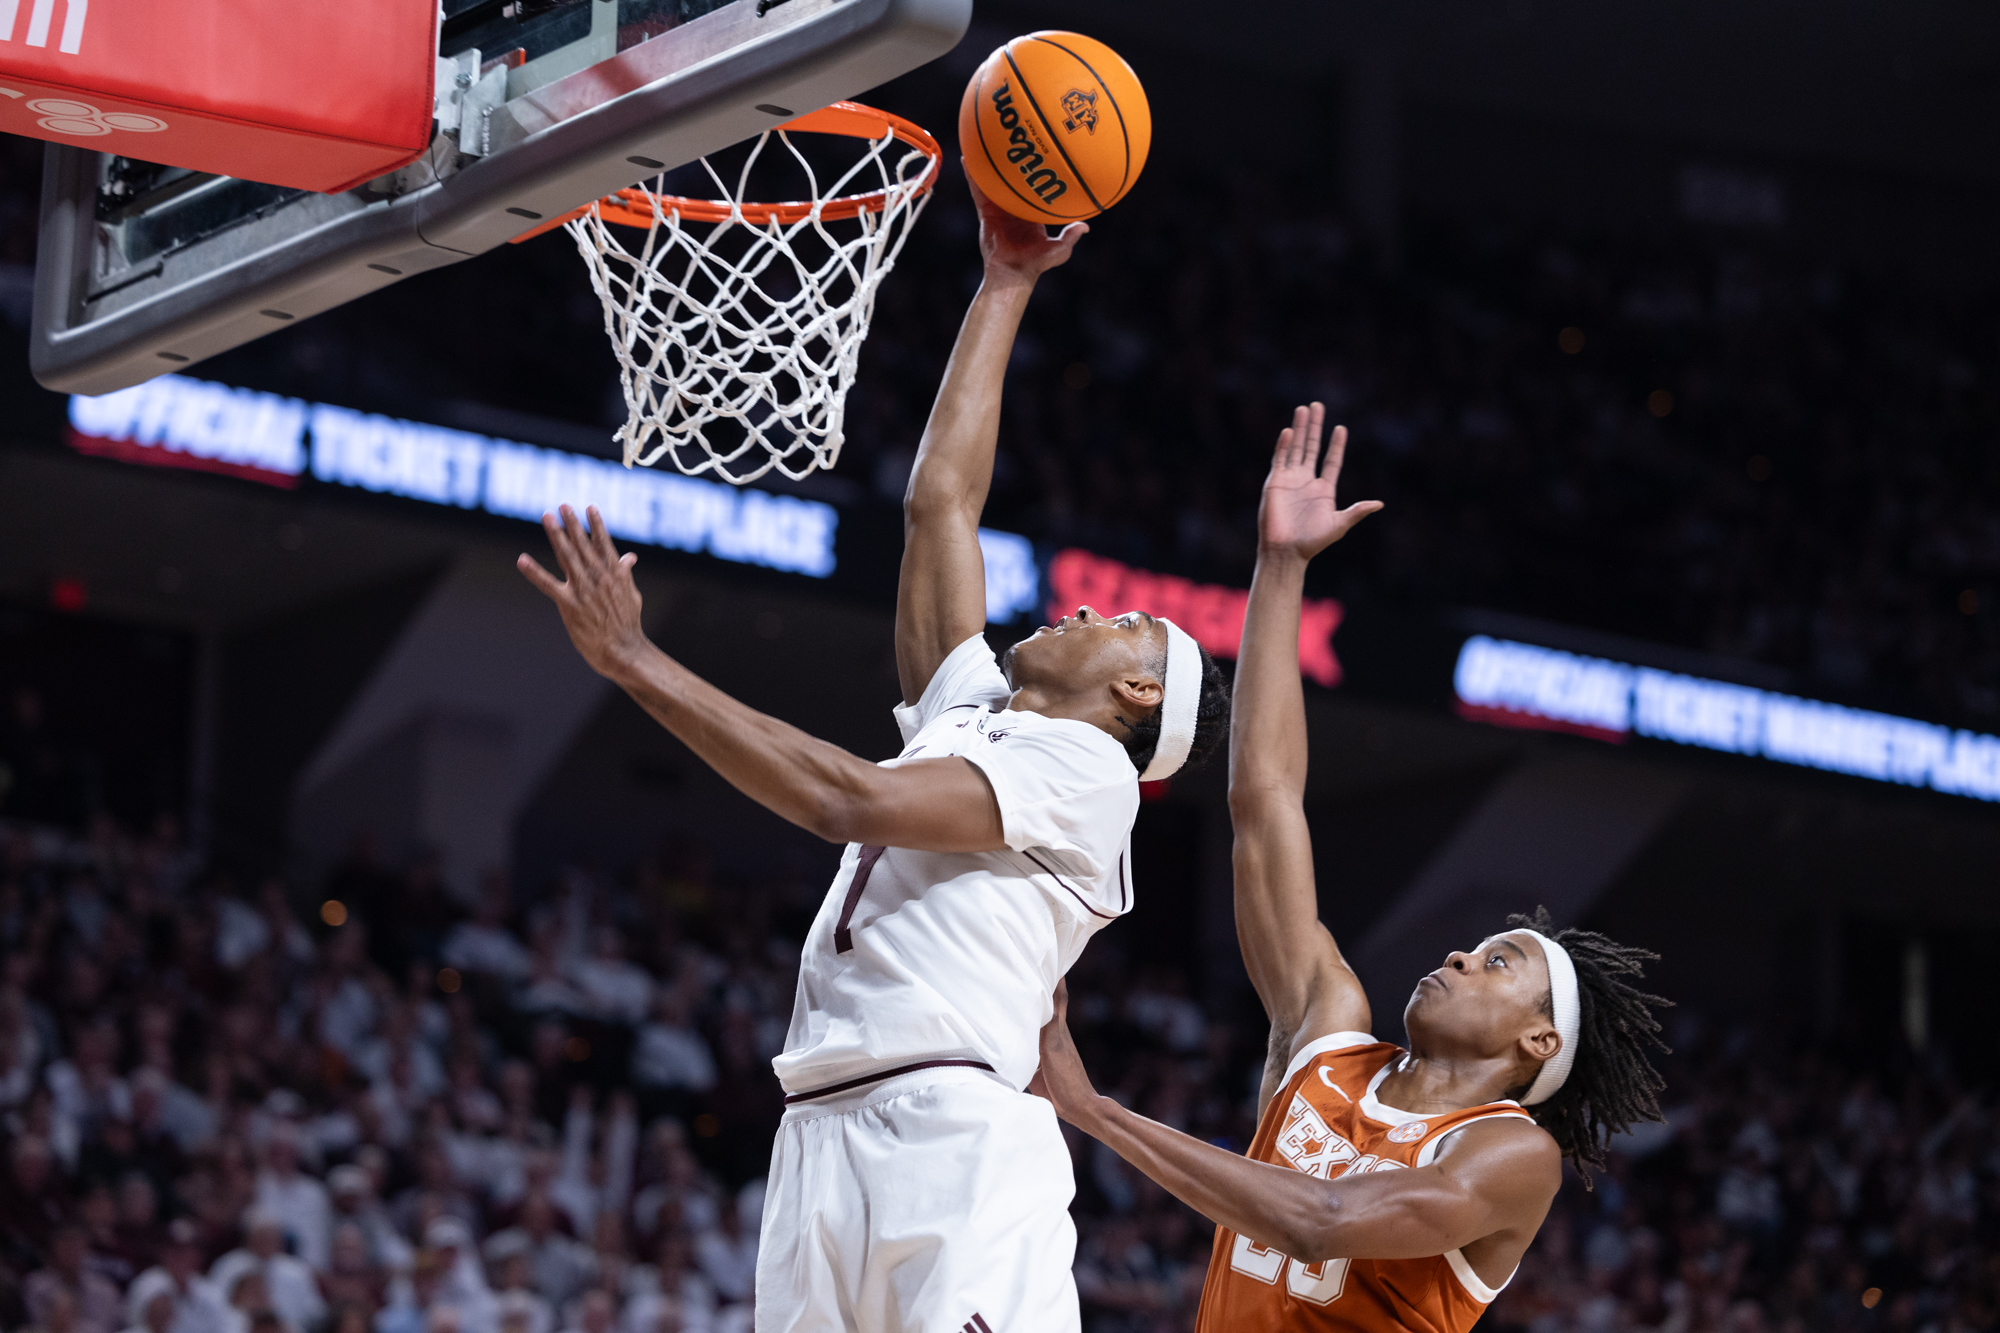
[[1306, 986], [941, 597], [936, 805]]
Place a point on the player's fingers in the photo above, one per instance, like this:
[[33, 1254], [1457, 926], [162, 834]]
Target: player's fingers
[[577, 537], [1315, 429], [1073, 233], [600, 537], [552, 528], [545, 583], [1302, 446], [1336, 451], [1354, 513], [1281, 457]]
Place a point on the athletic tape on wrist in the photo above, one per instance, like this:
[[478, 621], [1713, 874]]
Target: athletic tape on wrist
[[1569, 1014], [1178, 704]]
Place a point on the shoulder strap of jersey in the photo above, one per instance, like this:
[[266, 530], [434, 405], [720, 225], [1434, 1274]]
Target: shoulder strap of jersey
[[1333, 1043], [1473, 1115]]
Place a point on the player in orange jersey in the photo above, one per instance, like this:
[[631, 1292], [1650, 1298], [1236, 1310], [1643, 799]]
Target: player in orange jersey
[[1386, 1189]]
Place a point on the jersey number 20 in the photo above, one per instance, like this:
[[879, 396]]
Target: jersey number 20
[[1319, 1283]]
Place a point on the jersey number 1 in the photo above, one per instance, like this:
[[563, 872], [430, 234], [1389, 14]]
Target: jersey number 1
[[1319, 1284]]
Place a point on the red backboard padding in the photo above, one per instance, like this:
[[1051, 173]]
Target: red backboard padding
[[318, 97]]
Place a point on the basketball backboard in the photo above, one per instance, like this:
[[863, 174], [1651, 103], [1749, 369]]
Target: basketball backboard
[[542, 105]]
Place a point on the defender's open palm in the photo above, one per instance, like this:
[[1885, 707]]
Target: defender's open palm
[[598, 600], [1299, 512]]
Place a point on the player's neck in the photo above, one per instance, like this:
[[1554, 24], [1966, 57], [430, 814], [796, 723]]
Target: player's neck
[[1040, 699], [1431, 1083]]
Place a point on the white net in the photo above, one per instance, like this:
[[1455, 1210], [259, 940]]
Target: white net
[[738, 338]]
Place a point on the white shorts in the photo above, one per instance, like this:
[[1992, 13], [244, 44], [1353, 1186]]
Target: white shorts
[[935, 1202]]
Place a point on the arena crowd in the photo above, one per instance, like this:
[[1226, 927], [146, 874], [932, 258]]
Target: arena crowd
[[231, 1106]]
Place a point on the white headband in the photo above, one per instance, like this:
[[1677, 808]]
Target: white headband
[[1562, 991], [1181, 698]]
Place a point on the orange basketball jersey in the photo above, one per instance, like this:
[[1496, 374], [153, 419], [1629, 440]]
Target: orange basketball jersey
[[1324, 1120]]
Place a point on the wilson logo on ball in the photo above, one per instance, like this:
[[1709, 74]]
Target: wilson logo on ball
[[1079, 108], [1022, 150]]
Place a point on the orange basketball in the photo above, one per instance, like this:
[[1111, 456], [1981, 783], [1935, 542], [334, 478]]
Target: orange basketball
[[1054, 127]]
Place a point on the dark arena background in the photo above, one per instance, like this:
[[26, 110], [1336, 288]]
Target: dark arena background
[[331, 882]]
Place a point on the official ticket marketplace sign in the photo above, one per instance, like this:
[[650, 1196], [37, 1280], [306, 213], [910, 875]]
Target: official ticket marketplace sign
[[173, 421], [1523, 685]]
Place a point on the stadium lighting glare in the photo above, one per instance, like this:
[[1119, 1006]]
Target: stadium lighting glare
[[1523, 685]]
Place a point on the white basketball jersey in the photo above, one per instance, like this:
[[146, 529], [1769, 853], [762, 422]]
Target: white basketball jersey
[[922, 956]]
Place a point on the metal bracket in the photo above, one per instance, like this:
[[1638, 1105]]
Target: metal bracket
[[466, 99]]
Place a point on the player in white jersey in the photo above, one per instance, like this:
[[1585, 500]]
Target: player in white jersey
[[915, 1185]]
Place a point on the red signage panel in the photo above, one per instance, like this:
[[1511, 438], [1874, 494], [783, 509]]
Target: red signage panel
[[316, 97], [1210, 613]]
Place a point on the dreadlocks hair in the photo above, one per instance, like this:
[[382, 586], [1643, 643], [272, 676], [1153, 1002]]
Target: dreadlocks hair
[[1612, 1085], [1211, 718]]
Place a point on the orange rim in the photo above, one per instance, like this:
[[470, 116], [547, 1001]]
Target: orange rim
[[634, 207]]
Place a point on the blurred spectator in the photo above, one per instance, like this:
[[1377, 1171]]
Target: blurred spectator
[[671, 1287], [152, 1304], [352, 1279], [198, 1307], [352, 1190], [282, 1283], [613, 988], [595, 1180], [670, 1056], [462, 1283], [297, 1202], [728, 1255], [592, 1312], [70, 1290], [485, 945], [558, 1265]]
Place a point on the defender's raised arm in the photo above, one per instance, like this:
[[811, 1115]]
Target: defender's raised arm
[[1306, 986], [941, 597]]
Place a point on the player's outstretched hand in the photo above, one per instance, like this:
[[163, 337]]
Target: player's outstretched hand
[[1019, 248], [598, 600], [1061, 1078], [1299, 513]]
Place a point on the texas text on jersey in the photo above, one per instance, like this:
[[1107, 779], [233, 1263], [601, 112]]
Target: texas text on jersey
[[1325, 1120]]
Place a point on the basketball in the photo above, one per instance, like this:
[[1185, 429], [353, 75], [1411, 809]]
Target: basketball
[[1054, 127]]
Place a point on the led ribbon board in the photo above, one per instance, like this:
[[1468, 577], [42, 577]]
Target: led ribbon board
[[1523, 685], [178, 422]]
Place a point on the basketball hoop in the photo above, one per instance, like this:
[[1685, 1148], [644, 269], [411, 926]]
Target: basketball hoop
[[745, 320]]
